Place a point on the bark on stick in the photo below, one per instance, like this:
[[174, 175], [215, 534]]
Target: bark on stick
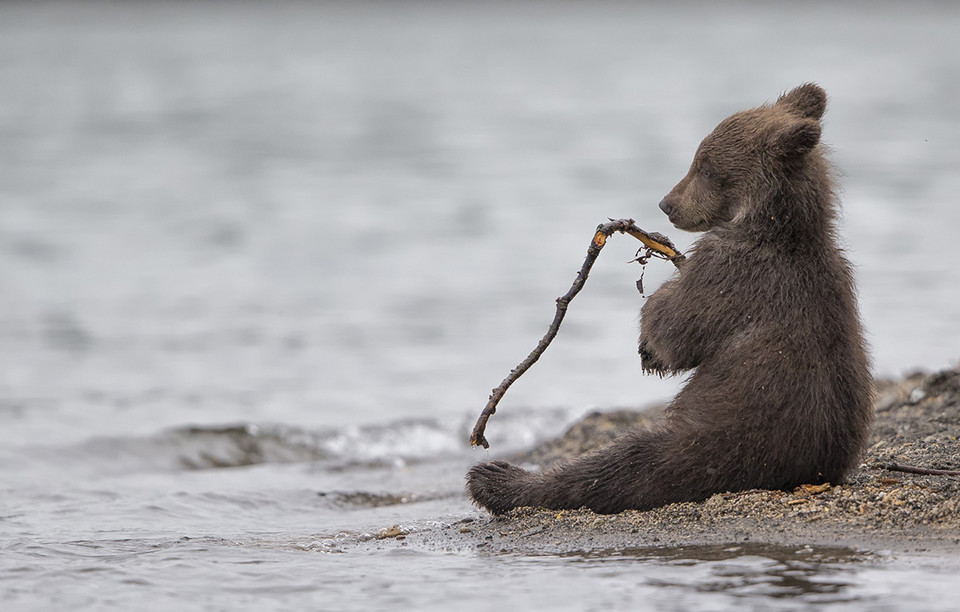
[[655, 244]]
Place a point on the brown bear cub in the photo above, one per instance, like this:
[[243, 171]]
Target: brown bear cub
[[764, 313]]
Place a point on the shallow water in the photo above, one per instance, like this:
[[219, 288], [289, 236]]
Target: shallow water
[[260, 267]]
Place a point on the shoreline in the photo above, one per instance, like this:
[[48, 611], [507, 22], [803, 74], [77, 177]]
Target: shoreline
[[917, 422]]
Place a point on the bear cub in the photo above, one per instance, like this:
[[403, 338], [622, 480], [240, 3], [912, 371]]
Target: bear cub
[[764, 314]]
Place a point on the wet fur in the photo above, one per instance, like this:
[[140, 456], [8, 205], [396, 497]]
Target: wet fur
[[764, 314]]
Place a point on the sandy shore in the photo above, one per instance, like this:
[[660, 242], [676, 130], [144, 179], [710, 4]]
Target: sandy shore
[[917, 423]]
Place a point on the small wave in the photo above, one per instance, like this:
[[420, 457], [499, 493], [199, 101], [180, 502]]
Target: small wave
[[240, 445], [246, 444], [396, 443], [392, 444], [353, 447]]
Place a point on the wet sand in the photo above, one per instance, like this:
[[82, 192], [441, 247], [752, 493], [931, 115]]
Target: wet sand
[[917, 423]]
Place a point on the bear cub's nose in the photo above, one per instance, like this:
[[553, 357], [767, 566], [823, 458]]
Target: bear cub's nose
[[666, 206]]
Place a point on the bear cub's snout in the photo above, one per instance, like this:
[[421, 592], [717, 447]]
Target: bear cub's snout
[[666, 206]]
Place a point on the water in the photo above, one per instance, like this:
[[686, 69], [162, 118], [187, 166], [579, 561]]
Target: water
[[261, 265]]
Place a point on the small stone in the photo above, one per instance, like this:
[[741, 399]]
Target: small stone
[[390, 532]]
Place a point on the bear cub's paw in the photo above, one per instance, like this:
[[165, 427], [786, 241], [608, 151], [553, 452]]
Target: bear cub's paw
[[650, 362], [497, 486]]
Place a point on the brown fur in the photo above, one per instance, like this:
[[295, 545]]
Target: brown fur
[[765, 315]]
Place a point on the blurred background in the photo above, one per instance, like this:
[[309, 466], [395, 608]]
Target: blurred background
[[354, 212], [339, 225]]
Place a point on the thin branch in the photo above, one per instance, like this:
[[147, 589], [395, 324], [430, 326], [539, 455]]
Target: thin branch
[[910, 469], [656, 244]]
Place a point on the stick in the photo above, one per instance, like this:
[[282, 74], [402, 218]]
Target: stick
[[656, 244], [910, 469]]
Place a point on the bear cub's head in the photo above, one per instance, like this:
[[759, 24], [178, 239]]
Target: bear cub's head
[[746, 158]]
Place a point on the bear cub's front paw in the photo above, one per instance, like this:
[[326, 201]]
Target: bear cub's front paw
[[649, 361]]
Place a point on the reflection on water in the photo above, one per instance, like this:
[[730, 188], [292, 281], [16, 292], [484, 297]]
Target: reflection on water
[[737, 577], [813, 575]]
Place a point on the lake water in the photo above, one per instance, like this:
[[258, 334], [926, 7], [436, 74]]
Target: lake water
[[260, 265]]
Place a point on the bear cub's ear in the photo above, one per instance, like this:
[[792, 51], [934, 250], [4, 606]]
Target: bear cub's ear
[[796, 138], [808, 101]]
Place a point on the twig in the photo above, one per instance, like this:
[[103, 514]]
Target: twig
[[910, 469], [656, 245]]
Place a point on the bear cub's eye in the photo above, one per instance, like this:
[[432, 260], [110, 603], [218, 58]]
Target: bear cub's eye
[[705, 170]]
